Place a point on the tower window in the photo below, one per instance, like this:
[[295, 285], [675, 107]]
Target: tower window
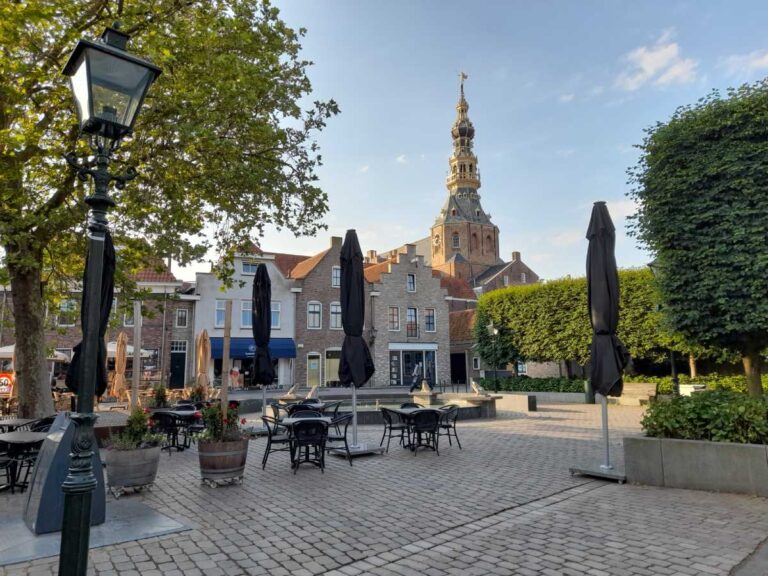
[[470, 168], [456, 243], [453, 212], [489, 243], [475, 242]]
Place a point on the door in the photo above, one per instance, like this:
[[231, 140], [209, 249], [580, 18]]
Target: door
[[459, 368], [313, 369], [178, 364]]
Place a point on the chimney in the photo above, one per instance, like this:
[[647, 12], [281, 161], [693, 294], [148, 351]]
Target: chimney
[[371, 257], [515, 256], [336, 241]]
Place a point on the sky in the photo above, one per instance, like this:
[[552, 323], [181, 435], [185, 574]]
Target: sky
[[560, 92]]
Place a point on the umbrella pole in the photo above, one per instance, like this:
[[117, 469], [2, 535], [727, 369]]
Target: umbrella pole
[[354, 415], [604, 410], [263, 400]]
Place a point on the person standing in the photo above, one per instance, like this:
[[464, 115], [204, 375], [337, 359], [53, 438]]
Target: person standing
[[416, 382]]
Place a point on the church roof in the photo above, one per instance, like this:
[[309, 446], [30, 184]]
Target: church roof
[[463, 205], [491, 272]]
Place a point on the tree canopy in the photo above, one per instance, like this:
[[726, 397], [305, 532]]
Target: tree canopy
[[700, 187], [225, 143]]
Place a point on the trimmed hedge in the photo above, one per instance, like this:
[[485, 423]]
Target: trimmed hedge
[[717, 415], [526, 384], [712, 382]]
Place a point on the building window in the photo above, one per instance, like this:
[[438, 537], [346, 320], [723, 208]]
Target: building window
[[506, 280], [522, 368], [178, 345], [412, 323], [522, 277], [332, 361], [314, 315], [249, 267], [67, 313], [455, 239], [128, 319], [275, 315], [475, 363], [336, 276], [488, 244], [246, 316], [313, 369], [429, 319], [221, 307], [335, 316], [411, 283], [182, 318], [394, 318]]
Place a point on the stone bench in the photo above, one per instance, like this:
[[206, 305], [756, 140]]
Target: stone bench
[[516, 403]]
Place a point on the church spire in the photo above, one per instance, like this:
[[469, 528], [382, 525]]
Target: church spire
[[463, 172]]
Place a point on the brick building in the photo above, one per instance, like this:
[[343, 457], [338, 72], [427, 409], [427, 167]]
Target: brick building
[[407, 321]]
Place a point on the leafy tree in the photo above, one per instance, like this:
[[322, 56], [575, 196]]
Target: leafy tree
[[700, 186], [222, 145], [495, 351]]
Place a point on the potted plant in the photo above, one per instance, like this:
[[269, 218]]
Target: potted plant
[[133, 455], [223, 447], [198, 393]]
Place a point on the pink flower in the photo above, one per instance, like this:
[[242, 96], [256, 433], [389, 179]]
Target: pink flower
[[243, 420]]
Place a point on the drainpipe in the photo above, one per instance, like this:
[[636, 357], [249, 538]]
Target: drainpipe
[[162, 340]]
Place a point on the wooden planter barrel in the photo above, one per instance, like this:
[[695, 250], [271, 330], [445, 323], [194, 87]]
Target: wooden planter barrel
[[222, 461], [131, 468]]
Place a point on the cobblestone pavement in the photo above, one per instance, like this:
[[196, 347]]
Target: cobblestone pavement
[[505, 504]]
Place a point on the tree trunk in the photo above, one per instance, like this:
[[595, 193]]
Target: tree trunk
[[692, 366], [35, 398], [752, 361]]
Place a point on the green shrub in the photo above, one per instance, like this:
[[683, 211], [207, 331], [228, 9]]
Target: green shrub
[[736, 383], [160, 395], [526, 384], [136, 434], [716, 415]]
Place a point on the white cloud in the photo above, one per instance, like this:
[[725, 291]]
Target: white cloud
[[565, 98], [363, 169], [401, 159], [660, 64], [744, 64], [568, 237], [620, 209]]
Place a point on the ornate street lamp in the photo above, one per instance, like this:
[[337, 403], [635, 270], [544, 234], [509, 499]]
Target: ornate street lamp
[[109, 86], [493, 332], [657, 273]]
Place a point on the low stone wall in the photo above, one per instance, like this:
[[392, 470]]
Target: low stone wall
[[697, 464], [550, 397]]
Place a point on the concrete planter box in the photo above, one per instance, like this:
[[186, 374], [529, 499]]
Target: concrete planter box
[[697, 465]]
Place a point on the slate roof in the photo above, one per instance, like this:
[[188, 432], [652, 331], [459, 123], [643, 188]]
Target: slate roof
[[466, 203]]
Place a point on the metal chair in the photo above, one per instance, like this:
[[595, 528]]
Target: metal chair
[[392, 423], [448, 425], [293, 408], [309, 435], [424, 427], [274, 438], [410, 405], [306, 414], [343, 420], [42, 425], [170, 425]]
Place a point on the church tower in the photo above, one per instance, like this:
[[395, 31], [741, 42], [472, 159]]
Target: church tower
[[465, 242]]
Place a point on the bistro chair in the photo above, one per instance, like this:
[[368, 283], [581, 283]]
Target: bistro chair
[[392, 425], [306, 414], [170, 425], [410, 405], [342, 421], [448, 424], [276, 442], [424, 427], [311, 436], [6, 466], [42, 425], [293, 408]]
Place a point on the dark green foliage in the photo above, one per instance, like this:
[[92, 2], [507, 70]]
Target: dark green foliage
[[218, 429], [526, 384], [160, 395], [136, 434], [712, 382], [496, 351], [701, 189], [720, 416]]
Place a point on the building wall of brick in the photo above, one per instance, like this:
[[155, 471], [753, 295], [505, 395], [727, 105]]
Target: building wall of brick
[[392, 291], [316, 287], [478, 244]]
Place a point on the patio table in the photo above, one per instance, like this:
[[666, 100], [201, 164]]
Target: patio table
[[407, 415], [10, 424], [290, 422], [18, 442]]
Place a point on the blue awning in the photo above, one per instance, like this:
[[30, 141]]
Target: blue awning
[[240, 348]]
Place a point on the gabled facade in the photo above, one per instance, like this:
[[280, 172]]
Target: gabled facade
[[408, 321], [212, 305]]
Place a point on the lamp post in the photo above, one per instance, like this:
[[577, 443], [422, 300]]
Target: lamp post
[[109, 86], [493, 332], [657, 272]]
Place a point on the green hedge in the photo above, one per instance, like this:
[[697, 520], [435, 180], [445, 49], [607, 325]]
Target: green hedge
[[711, 381], [526, 384], [717, 415]]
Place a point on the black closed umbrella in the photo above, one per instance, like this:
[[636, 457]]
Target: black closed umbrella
[[107, 297], [356, 366], [261, 314], [609, 357]]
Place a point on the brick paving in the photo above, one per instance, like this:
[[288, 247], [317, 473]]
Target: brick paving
[[506, 504]]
